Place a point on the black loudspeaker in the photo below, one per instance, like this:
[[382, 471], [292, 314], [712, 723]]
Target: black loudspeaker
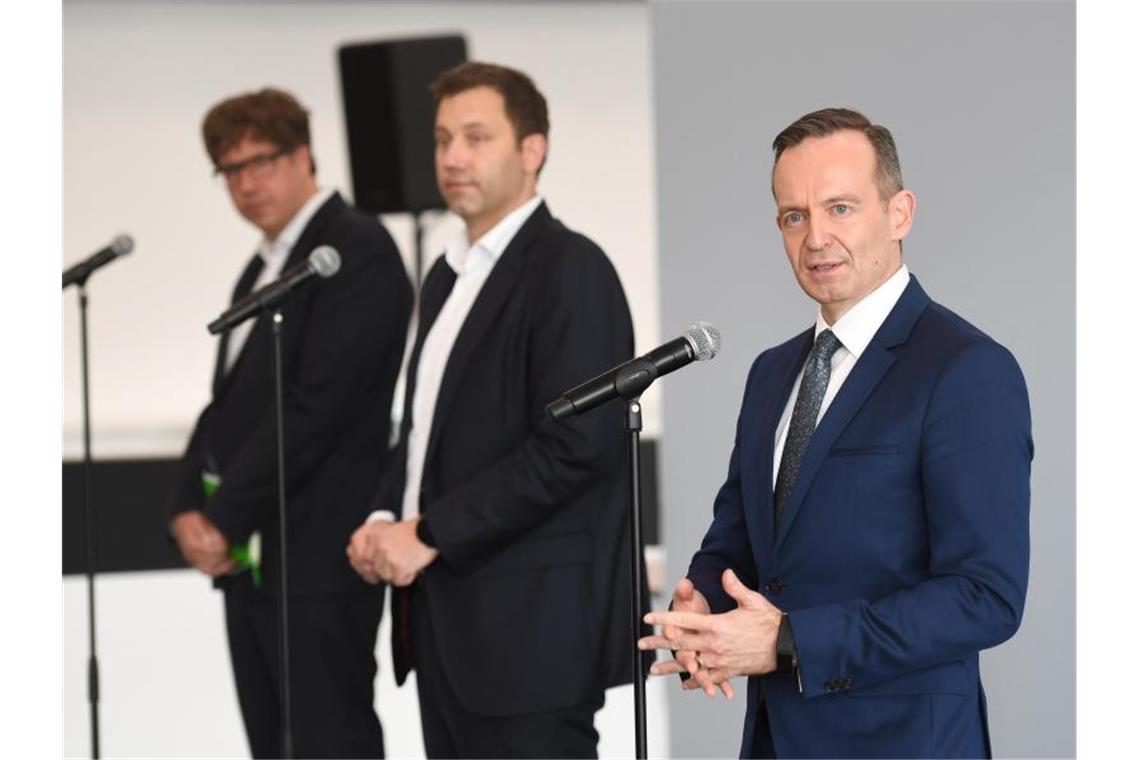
[[390, 115]]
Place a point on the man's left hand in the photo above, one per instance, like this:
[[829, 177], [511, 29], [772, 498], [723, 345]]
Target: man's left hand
[[740, 642], [361, 548], [398, 556]]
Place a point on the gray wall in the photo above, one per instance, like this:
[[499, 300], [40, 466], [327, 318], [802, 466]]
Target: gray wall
[[981, 100]]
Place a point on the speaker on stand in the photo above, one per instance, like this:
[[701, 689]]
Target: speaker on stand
[[390, 117]]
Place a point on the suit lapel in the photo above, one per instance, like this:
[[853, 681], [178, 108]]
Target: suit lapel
[[315, 230], [433, 295], [244, 285], [490, 301], [756, 482], [865, 376]]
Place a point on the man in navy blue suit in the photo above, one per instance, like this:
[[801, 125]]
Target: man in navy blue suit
[[872, 535]]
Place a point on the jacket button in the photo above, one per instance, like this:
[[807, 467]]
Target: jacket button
[[773, 586]]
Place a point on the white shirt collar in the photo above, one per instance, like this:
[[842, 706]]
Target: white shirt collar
[[459, 251], [274, 252], [856, 328]]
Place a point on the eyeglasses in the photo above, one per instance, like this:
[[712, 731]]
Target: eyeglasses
[[258, 167]]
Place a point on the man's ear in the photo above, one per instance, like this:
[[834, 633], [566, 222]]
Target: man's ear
[[534, 152], [304, 156], [901, 212]]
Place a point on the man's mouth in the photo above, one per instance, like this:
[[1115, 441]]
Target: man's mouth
[[825, 266]]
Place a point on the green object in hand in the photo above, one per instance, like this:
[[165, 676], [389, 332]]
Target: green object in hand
[[210, 483], [247, 556]]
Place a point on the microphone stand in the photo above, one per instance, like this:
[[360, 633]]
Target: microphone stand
[[89, 529], [628, 381], [637, 550], [286, 685]]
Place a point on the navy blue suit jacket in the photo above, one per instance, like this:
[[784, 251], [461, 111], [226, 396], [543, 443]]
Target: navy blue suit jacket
[[904, 547]]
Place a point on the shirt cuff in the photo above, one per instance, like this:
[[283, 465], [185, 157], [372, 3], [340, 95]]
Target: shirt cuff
[[787, 659], [382, 515], [787, 656]]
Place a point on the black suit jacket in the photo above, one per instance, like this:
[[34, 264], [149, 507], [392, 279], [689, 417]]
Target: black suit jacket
[[342, 343], [529, 598]]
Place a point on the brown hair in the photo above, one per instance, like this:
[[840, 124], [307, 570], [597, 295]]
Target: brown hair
[[525, 105], [269, 114], [888, 173]]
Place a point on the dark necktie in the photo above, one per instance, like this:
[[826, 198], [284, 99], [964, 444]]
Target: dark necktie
[[241, 290], [817, 372]]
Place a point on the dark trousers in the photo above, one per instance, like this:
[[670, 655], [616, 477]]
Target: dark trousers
[[453, 731], [332, 662], [762, 746]]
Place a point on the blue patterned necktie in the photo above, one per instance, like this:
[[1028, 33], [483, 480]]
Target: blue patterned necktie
[[817, 372]]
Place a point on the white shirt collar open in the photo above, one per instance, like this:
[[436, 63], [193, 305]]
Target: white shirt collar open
[[856, 328], [460, 251], [274, 252]]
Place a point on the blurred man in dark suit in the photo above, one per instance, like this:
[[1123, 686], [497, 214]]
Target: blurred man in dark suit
[[342, 344], [511, 554]]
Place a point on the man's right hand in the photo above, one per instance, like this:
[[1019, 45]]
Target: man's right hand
[[686, 598], [202, 544]]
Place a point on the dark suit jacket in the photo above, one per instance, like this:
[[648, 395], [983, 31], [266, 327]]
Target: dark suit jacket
[[342, 343], [529, 599], [904, 547]]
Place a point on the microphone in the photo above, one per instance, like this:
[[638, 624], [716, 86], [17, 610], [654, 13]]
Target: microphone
[[323, 262], [78, 274], [699, 343]]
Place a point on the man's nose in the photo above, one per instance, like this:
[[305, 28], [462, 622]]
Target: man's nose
[[818, 237], [454, 155], [243, 182]]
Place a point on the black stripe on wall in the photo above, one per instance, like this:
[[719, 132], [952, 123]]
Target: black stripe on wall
[[131, 518]]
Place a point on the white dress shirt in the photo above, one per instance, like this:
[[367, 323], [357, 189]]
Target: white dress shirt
[[854, 330], [274, 253], [472, 265]]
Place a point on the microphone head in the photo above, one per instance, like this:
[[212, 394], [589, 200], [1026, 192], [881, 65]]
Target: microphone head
[[324, 260], [704, 339], [122, 245]]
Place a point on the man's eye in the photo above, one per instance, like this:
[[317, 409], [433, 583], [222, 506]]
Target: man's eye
[[841, 208], [793, 217]]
